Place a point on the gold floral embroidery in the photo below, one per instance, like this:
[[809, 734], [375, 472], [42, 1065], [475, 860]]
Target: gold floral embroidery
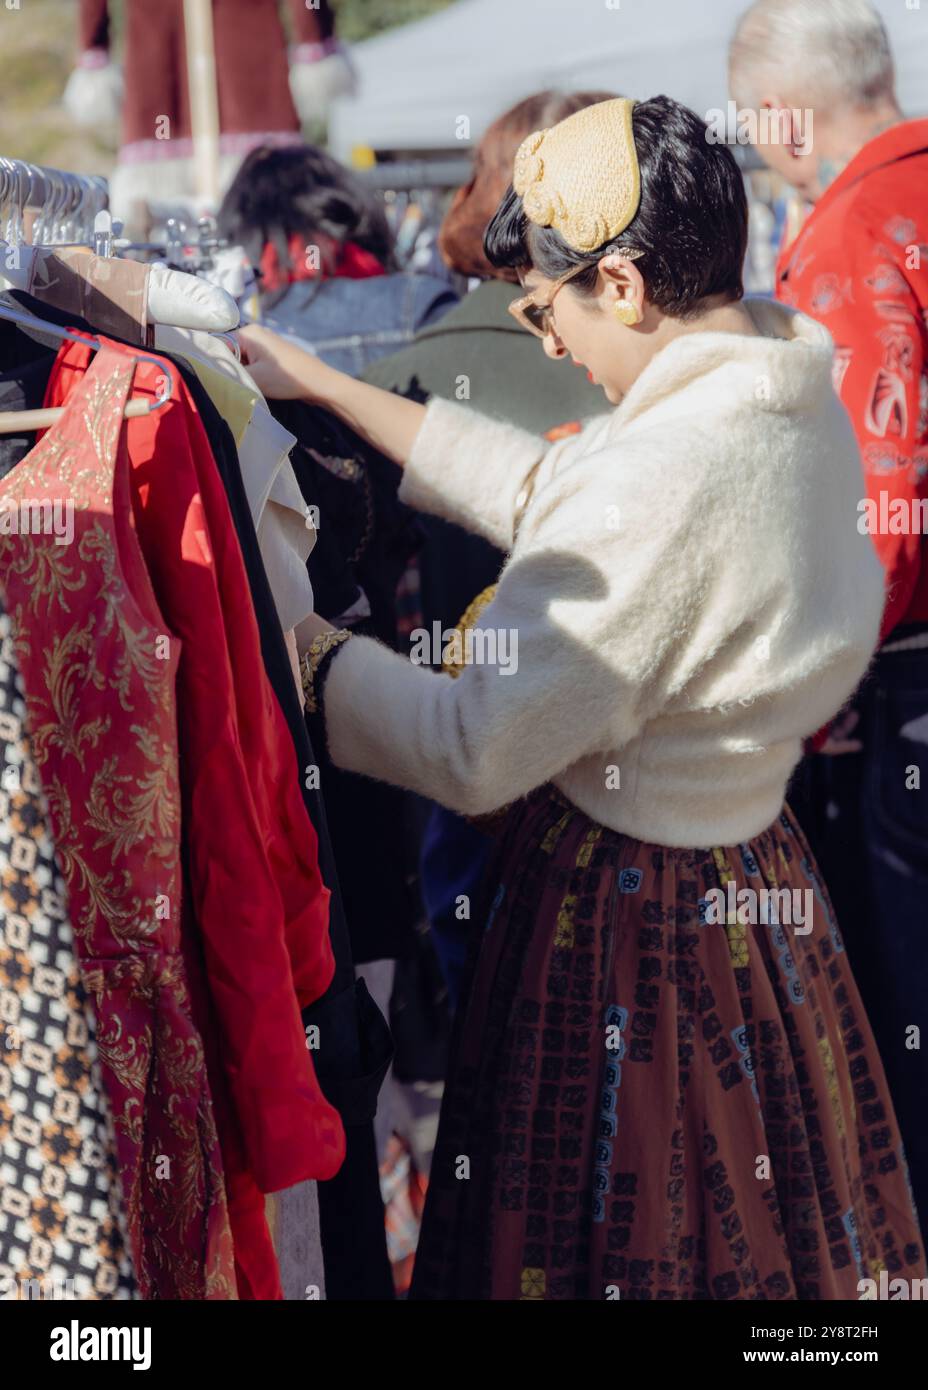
[[109, 895], [831, 1082], [129, 1059], [55, 713], [150, 815], [127, 834], [47, 571], [137, 645]]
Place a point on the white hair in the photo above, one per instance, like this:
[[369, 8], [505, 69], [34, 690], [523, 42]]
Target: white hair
[[813, 53]]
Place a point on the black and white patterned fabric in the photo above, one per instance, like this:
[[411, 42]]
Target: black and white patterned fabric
[[60, 1231]]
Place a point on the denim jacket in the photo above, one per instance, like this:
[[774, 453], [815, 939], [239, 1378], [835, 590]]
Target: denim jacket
[[350, 323]]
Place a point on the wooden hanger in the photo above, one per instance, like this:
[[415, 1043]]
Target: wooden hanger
[[27, 421]]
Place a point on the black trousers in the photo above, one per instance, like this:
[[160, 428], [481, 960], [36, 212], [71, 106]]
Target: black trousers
[[866, 817]]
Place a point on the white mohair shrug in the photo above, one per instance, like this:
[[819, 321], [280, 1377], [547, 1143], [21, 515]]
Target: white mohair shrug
[[689, 589]]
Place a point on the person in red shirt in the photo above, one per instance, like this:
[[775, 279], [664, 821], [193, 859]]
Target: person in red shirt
[[820, 80]]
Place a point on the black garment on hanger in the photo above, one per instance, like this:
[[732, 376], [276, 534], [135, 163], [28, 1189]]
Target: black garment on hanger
[[455, 565], [365, 541], [25, 366]]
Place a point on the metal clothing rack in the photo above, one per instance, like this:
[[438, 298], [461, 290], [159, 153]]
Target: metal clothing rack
[[73, 210], [70, 209], [65, 205], [443, 169]]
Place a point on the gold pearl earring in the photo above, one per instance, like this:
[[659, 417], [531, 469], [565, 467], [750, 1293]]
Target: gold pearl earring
[[626, 312]]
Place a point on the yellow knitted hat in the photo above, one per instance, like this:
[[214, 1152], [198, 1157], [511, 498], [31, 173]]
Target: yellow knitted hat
[[581, 176]]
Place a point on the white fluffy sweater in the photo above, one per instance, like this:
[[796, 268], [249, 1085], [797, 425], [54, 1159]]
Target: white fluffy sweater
[[688, 585]]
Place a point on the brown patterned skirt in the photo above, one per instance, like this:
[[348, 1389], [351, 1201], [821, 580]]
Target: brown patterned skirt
[[647, 1103]]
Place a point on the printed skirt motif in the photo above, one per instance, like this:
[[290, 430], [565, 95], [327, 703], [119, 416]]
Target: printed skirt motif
[[650, 1099]]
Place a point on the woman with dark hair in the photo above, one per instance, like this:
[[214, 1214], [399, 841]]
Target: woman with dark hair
[[478, 344], [324, 250], [663, 1083]]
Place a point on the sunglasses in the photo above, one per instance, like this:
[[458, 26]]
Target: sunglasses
[[534, 313]]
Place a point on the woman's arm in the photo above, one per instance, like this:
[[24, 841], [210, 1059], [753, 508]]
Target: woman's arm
[[577, 645], [458, 464], [284, 371]]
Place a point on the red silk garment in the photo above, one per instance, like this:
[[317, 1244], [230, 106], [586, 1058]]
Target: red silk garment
[[860, 266], [258, 906], [99, 664]]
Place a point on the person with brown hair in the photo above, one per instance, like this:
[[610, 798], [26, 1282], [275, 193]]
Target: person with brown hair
[[475, 353]]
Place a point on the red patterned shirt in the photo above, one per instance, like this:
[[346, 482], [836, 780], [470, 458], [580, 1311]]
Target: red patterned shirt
[[860, 266]]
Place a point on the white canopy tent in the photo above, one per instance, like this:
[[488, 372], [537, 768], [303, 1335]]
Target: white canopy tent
[[478, 57]]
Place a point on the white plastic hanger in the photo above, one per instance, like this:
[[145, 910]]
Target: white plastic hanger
[[70, 211], [174, 297]]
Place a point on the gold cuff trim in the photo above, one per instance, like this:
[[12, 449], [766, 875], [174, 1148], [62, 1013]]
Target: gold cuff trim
[[313, 657]]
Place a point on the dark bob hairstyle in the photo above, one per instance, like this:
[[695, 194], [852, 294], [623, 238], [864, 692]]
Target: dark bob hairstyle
[[301, 190], [691, 223]]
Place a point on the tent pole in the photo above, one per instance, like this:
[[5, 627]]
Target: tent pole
[[204, 101]]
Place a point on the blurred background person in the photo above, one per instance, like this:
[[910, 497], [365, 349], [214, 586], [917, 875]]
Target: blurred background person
[[324, 249], [478, 347], [263, 91], [860, 266]]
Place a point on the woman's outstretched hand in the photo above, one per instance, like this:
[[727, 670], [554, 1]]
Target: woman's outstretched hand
[[286, 372], [282, 370]]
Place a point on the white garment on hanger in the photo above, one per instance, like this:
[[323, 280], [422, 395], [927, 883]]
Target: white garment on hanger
[[285, 531], [174, 297]]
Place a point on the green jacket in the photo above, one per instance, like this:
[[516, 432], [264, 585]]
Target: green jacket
[[508, 375]]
